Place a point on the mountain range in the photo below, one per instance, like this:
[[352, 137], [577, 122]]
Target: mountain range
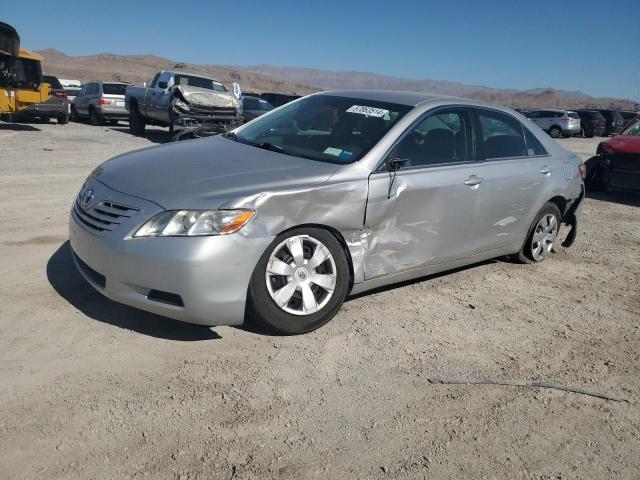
[[261, 78]]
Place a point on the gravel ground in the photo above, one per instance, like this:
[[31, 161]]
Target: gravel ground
[[93, 389]]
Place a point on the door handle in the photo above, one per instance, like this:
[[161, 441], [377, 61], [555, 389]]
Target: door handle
[[545, 170], [473, 181]]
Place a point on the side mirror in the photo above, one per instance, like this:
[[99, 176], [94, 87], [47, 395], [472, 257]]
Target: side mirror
[[395, 163], [163, 85], [237, 91]]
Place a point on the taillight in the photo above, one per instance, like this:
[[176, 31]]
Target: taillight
[[60, 95], [104, 101], [583, 170]]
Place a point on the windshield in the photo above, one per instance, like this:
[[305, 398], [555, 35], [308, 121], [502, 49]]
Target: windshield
[[114, 88], [200, 82], [250, 103], [324, 127], [633, 129]]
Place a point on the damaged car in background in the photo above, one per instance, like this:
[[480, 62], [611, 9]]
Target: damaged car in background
[[190, 105], [330, 195], [616, 165]]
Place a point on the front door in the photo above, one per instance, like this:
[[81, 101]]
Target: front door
[[424, 213]]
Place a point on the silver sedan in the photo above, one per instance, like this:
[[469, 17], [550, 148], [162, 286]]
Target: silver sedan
[[330, 195]]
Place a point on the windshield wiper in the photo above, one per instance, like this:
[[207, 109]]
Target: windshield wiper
[[265, 146], [231, 136]]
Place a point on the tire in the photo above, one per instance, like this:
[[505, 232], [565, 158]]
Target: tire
[[555, 132], [530, 251], [270, 282], [73, 116], [94, 118], [137, 122], [62, 118]]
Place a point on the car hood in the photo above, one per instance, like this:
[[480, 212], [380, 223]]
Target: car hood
[[207, 98], [207, 173], [622, 144]]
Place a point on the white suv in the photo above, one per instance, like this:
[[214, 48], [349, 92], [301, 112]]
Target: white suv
[[556, 123]]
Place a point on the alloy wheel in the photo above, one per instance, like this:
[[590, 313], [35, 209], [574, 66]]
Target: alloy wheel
[[543, 237], [301, 275]]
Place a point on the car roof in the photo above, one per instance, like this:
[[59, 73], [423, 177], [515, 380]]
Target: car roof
[[181, 72], [392, 96]]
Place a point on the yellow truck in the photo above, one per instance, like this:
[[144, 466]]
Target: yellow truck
[[20, 74]]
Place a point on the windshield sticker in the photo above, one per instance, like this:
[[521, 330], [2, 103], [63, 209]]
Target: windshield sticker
[[368, 111], [345, 155], [333, 151]]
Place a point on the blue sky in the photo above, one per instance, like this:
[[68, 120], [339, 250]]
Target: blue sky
[[584, 45]]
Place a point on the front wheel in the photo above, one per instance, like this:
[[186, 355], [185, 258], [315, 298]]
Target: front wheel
[[300, 281], [542, 235]]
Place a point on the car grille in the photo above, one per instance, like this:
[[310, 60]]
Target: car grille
[[200, 110], [103, 216]]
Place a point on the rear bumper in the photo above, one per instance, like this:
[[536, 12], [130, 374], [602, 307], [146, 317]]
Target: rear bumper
[[119, 113]]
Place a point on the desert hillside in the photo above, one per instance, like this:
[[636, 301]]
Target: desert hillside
[[262, 78], [141, 68], [537, 98]]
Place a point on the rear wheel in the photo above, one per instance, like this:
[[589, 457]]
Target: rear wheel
[[95, 118], [555, 132], [542, 235], [62, 118], [137, 123], [300, 281]]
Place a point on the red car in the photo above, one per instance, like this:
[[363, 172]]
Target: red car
[[617, 161]]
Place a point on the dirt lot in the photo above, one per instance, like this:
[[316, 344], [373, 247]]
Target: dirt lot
[[93, 389]]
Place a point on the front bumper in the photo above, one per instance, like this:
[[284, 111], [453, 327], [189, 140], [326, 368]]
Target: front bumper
[[209, 275], [203, 125]]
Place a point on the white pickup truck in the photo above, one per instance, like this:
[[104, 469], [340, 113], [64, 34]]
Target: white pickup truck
[[184, 102]]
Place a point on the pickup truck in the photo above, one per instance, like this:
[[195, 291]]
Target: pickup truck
[[183, 102]]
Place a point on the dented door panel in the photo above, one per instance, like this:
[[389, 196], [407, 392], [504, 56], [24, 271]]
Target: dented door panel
[[428, 219]]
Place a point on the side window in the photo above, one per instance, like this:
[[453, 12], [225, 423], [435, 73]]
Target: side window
[[91, 89], [440, 138], [165, 77], [500, 136], [534, 147], [155, 80]]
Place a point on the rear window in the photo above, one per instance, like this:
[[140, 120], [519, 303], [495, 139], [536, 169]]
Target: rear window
[[200, 82], [534, 147], [574, 115], [502, 135], [113, 88], [53, 81]]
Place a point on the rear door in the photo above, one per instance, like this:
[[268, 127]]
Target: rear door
[[424, 213], [517, 170]]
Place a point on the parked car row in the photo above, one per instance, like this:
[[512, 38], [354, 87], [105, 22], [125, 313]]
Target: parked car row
[[584, 122]]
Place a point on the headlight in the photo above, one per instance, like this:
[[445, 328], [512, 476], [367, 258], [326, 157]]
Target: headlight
[[180, 105], [191, 223]]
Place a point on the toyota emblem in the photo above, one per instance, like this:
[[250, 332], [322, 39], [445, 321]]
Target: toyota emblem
[[86, 198]]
